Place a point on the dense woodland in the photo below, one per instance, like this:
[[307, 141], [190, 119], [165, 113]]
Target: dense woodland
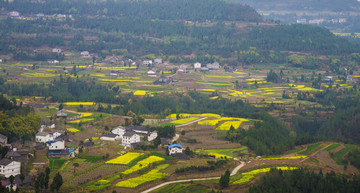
[[174, 30], [303, 180], [17, 122]]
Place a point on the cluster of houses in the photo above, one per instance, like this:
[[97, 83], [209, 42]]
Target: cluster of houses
[[55, 142], [10, 165], [130, 136], [184, 68]]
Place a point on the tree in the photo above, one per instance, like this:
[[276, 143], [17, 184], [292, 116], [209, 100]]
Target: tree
[[11, 179], [157, 141], [57, 182], [61, 106], [225, 179], [183, 132], [47, 176], [167, 151], [75, 166]]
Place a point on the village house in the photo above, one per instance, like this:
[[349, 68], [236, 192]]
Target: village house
[[120, 130], [9, 167], [137, 129], [151, 73], [53, 61], [3, 139], [175, 148], [14, 14], [57, 145], [1, 60], [43, 137], [197, 65], [158, 61], [213, 66], [110, 137], [147, 62], [56, 50], [152, 135], [85, 54], [61, 114], [130, 138], [18, 155]]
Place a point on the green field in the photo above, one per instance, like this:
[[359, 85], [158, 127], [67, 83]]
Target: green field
[[339, 156], [331, 147], [312, 148], [56, 163], [91, 159], [177, 188], [228, 152]]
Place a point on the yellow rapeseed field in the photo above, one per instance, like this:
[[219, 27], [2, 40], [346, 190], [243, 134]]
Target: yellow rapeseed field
[[79, 103], [184, 121], [124, 159], [143, 163]]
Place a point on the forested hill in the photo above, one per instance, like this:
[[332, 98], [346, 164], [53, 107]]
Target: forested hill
[[191, 10], [310, 5]]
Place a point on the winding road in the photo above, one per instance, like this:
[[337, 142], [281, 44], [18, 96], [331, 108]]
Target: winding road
[[233, 172]]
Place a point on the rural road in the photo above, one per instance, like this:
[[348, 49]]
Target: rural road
[[313, 154], [197, 120], [235, 170]]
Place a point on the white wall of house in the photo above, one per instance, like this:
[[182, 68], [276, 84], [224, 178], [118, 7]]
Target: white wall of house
[[175, 150], [127, 141], [11, 169], [104, 138], [152, 136], [44, 139], [58, 145], [197, 65], [56, 134], [118, 131]]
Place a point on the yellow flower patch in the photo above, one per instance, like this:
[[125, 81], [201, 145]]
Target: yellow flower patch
[[38, 75], [184, 121], [214, 97], [73, 130], [220, 156], [140, 93], [125, 159], [248, 176], [79, 103], [242, 73], [227, 125], [215, 76], [143, 163], [214, 83], [81, 120], [150, 176], [208, 90]]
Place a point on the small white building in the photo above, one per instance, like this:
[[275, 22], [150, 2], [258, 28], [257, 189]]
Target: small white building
[[43, 137], [14, 14], [56, 50], [3, 139], [61, 114], [213, 66], [120, 130], [56, 134], [151, 73], [110, 137], [158, 61], [1, 60], [129, 138], [152, 135], [197, 65], [175, 148], [85, 54], [9, 167], [53, 61], [57, 145], [147, 62]]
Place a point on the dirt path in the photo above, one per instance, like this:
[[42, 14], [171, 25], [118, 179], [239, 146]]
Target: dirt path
[[235, 170], [189, 123], [316, 152]]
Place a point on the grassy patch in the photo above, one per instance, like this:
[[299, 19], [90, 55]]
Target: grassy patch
[[311, 149], [228, 152], [56, 163], [294, 150], [177, 188], [331, 147], [338, 156], [134, 161], [100, 115], [91, 159]]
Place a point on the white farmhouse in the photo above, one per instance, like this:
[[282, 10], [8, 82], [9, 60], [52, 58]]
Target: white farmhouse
[[158, 61], [110, 137], [151, 73], [57, 145], [9, 167], [175, 148], [197, 65], [152, 135], [85, 54], [43, 137], [147, 62], [14, 14], [129, 138], [56, 50], [56, 134], [120, 130]]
